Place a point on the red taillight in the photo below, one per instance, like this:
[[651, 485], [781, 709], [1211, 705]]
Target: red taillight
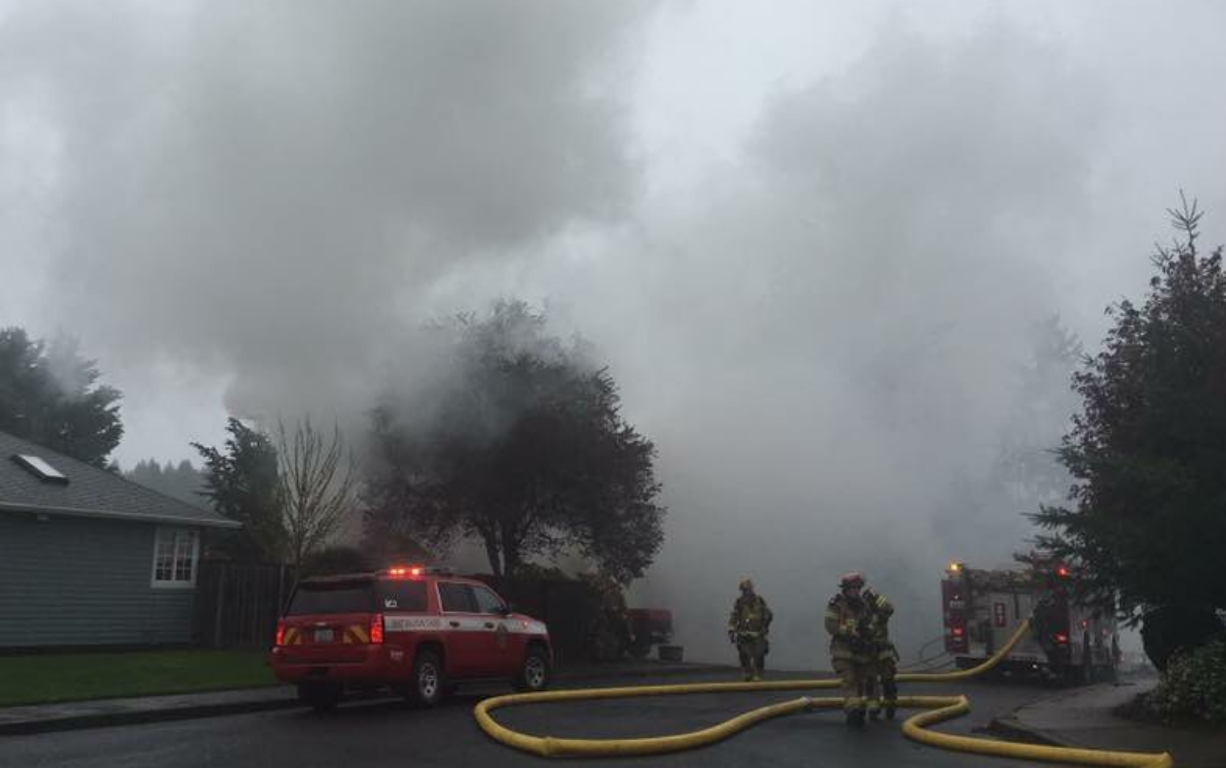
[[1061, 638], [957, 631], [1062, 572], [376, 629], [280, 632]]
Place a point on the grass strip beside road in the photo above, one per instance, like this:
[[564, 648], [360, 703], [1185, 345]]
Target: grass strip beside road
[[53, 677]]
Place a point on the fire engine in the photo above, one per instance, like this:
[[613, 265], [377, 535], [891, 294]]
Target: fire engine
[[1068, 641], [650, 626]]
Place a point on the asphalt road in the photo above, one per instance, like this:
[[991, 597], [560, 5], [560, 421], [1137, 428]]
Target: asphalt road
[[385, 733]]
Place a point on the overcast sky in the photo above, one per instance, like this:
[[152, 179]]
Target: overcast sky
[[809, 238]]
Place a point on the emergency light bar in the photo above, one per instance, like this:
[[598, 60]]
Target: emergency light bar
[[411, 571]]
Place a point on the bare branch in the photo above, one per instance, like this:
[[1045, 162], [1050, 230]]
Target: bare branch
[[318, 482], [1187, 220]]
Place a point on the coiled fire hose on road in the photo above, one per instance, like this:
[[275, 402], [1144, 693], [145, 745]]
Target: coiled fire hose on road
[[937, 709]]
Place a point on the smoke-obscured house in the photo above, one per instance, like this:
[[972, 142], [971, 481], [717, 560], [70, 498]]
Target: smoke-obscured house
[[89, 558]]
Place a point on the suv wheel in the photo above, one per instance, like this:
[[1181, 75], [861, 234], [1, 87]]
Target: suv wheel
[[534, 675], [320, 696], [429, 683]]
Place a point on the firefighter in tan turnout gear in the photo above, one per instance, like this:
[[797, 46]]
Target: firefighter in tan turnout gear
[[848, 620], [748, 627], [884, 667]]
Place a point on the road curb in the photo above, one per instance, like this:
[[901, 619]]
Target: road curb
[[156, 714], [141, 716], [1011, 729]]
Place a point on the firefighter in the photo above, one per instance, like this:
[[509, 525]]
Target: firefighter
[[884, 668], [848, 621], [748, 627]]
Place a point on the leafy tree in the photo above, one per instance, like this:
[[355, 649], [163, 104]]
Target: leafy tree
[[50, 394], [242, 482], [391, 545], [526, 451], [317, 486], [334, 560], [183, 482], [1147, 451]]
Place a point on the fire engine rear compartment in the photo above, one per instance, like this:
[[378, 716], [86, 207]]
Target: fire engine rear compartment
[[982, 609]]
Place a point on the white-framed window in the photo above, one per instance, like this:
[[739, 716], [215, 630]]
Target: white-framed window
[[175, 554]]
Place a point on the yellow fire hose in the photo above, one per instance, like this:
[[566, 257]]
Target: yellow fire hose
[[937, 709]]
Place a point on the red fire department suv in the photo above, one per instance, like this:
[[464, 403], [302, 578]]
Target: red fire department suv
[[415, 629]]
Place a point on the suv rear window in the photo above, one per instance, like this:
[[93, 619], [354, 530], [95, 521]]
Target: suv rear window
[[332, 598], [402, 596]]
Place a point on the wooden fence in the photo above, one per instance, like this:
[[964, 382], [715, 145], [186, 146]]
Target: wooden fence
[[237, 604]]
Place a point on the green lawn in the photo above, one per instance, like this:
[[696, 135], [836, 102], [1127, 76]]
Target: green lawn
[[47, 678]]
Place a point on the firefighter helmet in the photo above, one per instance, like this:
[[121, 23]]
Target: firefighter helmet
[[851, 579]]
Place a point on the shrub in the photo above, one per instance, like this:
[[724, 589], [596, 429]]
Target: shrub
[[1172, 628], [1193, 685]]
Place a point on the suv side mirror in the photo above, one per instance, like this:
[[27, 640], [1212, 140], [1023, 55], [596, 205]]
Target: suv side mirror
[[506, 609]]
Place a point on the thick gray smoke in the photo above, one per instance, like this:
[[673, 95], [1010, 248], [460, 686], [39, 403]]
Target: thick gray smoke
[[836, 333], [269, 189], [826, 336], [820, 322]]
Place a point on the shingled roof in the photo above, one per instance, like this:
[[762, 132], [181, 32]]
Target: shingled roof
[[88, 492]]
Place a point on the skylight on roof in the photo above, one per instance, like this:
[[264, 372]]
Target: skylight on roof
[[38, 467]]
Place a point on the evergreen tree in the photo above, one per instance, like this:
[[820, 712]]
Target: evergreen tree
[[51, 395]]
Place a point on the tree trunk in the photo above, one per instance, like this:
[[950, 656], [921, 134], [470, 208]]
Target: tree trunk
[[510, 551], [491, 551], [511, 561]]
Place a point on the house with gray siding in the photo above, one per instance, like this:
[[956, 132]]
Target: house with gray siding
[[89, 558]]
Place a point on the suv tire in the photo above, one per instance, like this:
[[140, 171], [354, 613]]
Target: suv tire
[[429, 685], [534, 674]]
